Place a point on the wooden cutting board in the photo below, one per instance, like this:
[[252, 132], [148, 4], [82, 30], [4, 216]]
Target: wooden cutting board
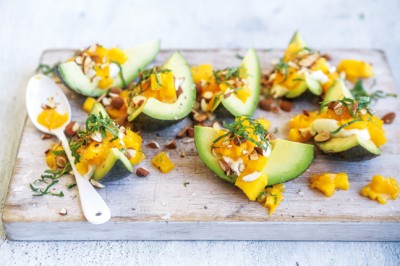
[[161, 207]]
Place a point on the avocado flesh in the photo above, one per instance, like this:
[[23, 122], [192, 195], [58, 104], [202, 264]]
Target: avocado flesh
[[287, 160], [298, 90], [338, 91], [138, 58], [352, 148], [116, 165], [233, 104], [156, 114]]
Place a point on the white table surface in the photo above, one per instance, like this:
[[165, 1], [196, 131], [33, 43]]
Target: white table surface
[[29, 27]]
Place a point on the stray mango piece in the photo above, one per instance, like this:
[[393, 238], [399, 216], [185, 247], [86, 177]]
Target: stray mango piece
[[381, 189], [274, 197], [355, 69], [252, 188], [328, 182], [88, 104], [162, 162]]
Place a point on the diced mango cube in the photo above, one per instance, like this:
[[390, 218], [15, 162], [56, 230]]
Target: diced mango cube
[[328, 182], [252, 188], [274, 197], [88, 104], [381, 189], [355, 69], [162, 162]]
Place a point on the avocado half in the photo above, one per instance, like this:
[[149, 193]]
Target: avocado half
[[308, 83], [233, 104], [154, 114], [351, 148], [116, 165], [139, 57], [287, 160]]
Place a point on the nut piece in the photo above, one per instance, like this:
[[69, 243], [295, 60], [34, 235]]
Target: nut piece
[[306, 113], [171, 145], [71, 129], [190, 132], [96, 184], [61, 161], [253, 156], [259, 150], [130, 153], [153, 145], [389, 118], [117, 102], [266, 104], [208, 95], [141, 172], [322, 136], [275, 110], [309, 60], [106, 101], [216, 125], [96, 136], [182, 133], [228, 93], [63, 212], [199, 117], [286, 106], [225, 166], [179, 91], [138, 100], [46, 136], [115, 90]]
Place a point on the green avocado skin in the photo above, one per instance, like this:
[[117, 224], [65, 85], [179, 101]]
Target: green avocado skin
[[117, 172], [349, 148], [357, 153]]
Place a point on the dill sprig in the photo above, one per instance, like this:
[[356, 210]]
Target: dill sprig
[[223, 75], [45, 69], [94, 123], [283, 66], [359, 91], [239, 129], [49, 179], [354, 107], [145, 75]]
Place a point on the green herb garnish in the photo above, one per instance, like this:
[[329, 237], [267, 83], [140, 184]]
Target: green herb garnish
[[45, 69], [238, 129], [283, 66], [51, 176], [94, 123], [359, 91]]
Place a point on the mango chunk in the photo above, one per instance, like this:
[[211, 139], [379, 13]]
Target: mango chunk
[[272, 196], [381, 189], [88, 104], [328, 182], [252, 188], [163, 163], [355, 69]]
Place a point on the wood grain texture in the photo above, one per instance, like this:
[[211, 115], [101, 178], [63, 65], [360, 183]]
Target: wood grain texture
[[208, 208]]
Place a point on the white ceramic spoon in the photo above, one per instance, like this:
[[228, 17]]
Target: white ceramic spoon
[[40, 89]]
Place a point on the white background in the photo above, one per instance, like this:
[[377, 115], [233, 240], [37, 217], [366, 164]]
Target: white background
[[29, 27]]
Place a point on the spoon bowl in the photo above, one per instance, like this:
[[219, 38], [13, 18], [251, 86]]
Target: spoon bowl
[[40, 89]]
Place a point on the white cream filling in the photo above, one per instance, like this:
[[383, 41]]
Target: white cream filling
[[251, 177], [319, 76], [330, 125]]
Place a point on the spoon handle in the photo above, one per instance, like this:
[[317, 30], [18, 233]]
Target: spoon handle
[[94, 208]]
